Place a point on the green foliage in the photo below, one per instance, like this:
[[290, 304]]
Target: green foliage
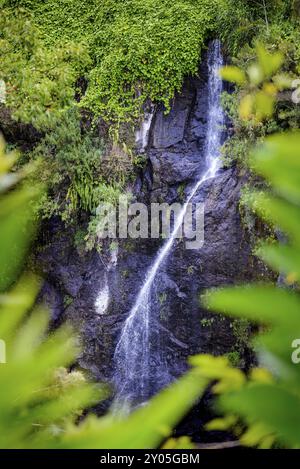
[[260, 104], [234, 358], [32, 410], [41, 401], [233, 382], [183, 442], [39, 79], [141, 50], [241, 329], [261, 79], [146, 427], [248, 130]]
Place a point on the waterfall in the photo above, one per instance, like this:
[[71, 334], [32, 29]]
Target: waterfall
[[103, 297], [140, 368]]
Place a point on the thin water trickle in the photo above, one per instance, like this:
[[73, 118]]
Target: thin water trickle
[[140, 368]]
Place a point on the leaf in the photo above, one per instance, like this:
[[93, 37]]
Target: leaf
[[218, 368], [283, 81], [16, 304], [147, 427], [7, 160], [184, 442], [278, 342], [261, 375]]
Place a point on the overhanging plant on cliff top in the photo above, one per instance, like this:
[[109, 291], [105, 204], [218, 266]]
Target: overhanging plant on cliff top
[[39, 79]]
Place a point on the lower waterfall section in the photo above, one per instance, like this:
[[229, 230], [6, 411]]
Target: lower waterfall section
[[140, 369]]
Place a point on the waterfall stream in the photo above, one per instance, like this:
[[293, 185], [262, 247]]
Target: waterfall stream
[[140, 368]]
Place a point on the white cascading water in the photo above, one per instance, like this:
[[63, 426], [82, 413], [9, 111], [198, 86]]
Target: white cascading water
[[142, 134], [139, 364]]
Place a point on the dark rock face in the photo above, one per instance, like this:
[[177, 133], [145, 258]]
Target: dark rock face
[[74, 280]]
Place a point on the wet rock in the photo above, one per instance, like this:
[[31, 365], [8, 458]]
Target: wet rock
[[176, 159]]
